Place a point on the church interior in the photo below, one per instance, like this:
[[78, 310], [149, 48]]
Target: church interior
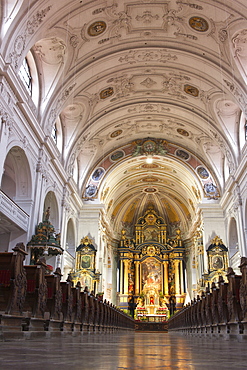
[[123, 135]]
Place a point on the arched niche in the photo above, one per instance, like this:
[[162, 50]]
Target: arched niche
[[51, 203], [70, 238], [16, 180], [234, 255]]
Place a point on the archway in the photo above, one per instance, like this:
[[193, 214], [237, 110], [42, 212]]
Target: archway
[[234, 255]]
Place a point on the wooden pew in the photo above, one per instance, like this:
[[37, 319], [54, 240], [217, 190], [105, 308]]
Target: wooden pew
[[67, 305], [233, 301], [91, 313], [85, 310], [13, 286], [54, 301], [36, 298], [243, 294], [214, 308], [77, 308]]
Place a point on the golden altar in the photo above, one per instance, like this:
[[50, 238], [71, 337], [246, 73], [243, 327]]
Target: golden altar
[[151, 268]]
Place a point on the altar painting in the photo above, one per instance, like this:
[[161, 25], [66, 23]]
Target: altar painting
[[151, 275], [86, 262], [86, 281]]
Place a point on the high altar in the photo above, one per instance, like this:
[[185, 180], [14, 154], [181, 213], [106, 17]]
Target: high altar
[[151, 272]]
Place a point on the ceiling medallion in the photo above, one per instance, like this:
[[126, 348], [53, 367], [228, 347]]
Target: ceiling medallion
[[98, 173], [182, 132], [202, 172], [117, 155], [106, 93], [198, 24], [96, 28], [91, 191], [149, 147], [150, 190], [116, 133], [211, 191], [191, 90], [182, 154]]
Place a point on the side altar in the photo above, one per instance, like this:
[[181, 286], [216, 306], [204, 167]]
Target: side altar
[[85, 271], [151, 269]]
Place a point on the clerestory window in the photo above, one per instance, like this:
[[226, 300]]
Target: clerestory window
[[25, 75]]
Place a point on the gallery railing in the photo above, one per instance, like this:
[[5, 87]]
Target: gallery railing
[[220, 311], [33, 302]]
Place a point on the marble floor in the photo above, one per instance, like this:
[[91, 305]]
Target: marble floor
[[125, 351]]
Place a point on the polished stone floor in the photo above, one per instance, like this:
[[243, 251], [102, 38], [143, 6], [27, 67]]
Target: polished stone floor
[[125, 351]]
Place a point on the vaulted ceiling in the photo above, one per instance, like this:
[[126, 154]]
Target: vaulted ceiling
[[126, 81]]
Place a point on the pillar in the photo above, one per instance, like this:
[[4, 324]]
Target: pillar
[[176, 264], [165, 278], [121, 272], [181, 277], [126, 277], [137, 278]]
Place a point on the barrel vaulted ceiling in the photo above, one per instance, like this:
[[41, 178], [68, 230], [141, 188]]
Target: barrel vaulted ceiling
[[127, 81]]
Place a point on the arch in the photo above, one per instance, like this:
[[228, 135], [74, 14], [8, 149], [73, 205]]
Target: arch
[[233, 237], [70, 238], [234, 254], [51, 202], [16, 180]]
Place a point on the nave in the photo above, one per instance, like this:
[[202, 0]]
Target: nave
[[124, 350]]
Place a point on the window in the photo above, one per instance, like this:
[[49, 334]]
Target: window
[[25, 75], [54, 133]]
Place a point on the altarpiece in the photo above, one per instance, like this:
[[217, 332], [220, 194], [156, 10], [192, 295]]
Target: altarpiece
[[151, 271]]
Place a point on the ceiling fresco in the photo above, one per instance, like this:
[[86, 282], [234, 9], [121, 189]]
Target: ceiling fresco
[[144, 95]]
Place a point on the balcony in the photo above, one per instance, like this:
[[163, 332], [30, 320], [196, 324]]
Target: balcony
[[12, 217]]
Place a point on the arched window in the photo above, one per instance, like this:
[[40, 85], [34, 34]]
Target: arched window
[[54, 133], [242, 131], [25, 75]]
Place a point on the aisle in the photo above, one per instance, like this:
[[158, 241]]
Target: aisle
[[125, 351]]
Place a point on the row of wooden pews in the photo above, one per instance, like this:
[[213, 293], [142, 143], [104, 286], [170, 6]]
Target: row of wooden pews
[[220, 311], [33, 303]]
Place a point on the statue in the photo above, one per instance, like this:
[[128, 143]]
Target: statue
[[47, 214], [139, 302]]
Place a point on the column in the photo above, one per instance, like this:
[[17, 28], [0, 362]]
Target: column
[[165, 278], [181, 277], [121, 272], [126, 277], [137, 278], [177, 290]]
